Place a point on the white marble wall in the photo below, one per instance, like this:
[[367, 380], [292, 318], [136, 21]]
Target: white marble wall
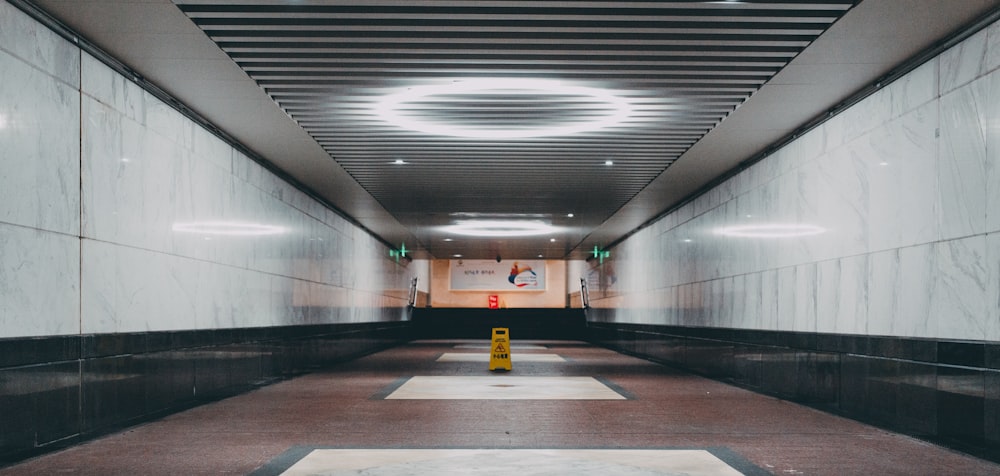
[[88, 220], [906, 185], [39, 179]]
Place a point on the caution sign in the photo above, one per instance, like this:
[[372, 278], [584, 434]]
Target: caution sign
[[500, 355]]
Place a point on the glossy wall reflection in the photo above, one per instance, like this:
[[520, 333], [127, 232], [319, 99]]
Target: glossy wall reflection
[[146, 265], [854, 269], [881, 221]]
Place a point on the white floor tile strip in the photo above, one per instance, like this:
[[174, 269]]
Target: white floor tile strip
[[485, 357], [503, 387], [512, 346], [521, 462]]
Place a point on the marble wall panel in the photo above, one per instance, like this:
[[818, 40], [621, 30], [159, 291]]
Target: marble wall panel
[[962, 161], [992, 113], [39, 283], [916, 89], [148, 171], [805, 293], [915, 281], [97, 271], [963, 63], [867, 115], [842, 295], [958, 293], [112, 89], [33, 43], [903, 183], [839, 187], [752, 306], [769, 299], [883, 294], [164, 120], [194, 188], [39, 148], [993, 47], [786, 309], [828, 295], [992, 263], [126, 289], [899, 161], [835, 132]]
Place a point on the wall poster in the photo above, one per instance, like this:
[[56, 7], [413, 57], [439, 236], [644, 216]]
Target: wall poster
[[490, 275]]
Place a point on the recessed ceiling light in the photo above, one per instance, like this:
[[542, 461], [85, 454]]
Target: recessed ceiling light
[[500, 228], [570, 215], [399, 162], [393, 108], [539, 256], [552, 240], [228, 228], [771, 230], [456, 256], [608, 162]]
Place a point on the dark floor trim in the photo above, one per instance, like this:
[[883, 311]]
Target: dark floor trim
[[943, 391], [62, 390]]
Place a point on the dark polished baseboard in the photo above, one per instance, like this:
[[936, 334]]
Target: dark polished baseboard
[[947, 392], [57, 391]]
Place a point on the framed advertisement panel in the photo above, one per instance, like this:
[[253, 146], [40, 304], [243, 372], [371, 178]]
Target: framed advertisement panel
[[487, 275]]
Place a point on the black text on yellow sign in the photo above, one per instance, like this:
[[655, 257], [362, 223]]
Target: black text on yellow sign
[[500, 353]]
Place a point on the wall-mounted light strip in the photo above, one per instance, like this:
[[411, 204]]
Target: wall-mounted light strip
[[771, 230], [229, 228]]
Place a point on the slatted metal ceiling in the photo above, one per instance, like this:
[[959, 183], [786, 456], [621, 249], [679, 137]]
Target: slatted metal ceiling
[[682, 66]]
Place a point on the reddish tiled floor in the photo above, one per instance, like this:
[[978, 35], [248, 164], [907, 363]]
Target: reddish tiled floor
[[338, 408]]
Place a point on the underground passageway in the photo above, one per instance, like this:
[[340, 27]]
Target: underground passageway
[[566, 407], [274, 235]]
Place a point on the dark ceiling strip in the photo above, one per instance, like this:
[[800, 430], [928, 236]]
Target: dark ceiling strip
[[372, 14], [469, 23], [409, 35], [347, 74], [448, 51], [475, 46], [521, 9], [645, 62]]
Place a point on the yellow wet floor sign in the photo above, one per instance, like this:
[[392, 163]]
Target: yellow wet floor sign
[[500, 354]]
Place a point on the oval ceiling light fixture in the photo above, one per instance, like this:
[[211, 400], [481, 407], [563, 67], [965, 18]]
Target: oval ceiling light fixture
[[391, 108], [228, 228], [771, 230], [500, 228]]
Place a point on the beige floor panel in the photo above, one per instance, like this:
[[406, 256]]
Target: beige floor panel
[[485, 357], [510, 462], [513, 346], [503, 387]]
